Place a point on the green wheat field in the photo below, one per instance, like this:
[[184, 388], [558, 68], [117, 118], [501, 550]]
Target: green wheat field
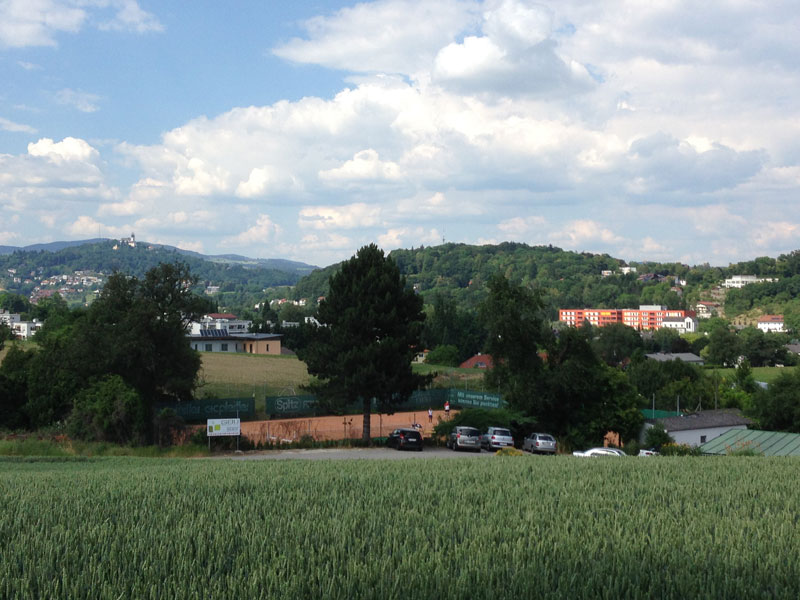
[[515, 527]]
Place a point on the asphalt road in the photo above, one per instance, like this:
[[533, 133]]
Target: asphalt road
[[355, 454]]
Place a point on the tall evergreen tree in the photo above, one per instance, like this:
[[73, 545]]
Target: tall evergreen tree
[[371, 330]]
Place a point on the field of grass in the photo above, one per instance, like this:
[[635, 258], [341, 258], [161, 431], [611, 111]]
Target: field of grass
[[767, 374], [520, 527], [227, 375]]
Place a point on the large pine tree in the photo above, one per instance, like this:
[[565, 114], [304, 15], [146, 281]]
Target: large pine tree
[[372, 324]]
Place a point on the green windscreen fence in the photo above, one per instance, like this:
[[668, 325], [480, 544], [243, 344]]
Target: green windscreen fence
[[281, 407], [292, 406], [200, 410]]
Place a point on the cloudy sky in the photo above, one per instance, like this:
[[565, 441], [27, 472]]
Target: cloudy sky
[[304, 130]]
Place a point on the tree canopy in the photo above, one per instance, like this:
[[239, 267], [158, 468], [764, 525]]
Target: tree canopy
[[131, 341]]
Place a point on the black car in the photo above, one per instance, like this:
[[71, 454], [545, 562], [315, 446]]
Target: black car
[[403, 439]]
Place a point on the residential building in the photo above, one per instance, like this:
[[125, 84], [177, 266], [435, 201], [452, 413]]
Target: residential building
[[220, 321], [686, 357], [25, 330], [706, 310], [739, 281], [220, 340], [646, 317], [771, 324], [479, 361], [687, 324], [8, 318]]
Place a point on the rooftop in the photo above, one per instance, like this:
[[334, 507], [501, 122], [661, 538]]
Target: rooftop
[[704, 419]]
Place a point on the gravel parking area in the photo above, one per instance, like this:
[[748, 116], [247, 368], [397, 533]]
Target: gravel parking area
[[356, 454]]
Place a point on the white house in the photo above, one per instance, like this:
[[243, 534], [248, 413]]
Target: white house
[[700, 427], [771, 323], [685, 324], [9, 318], [25, 330], [739, 281]]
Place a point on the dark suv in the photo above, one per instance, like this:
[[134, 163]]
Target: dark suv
[[404, 439]]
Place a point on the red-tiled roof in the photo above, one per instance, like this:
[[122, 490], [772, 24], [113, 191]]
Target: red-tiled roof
[[221, 316], [771, 319], [479, 361]]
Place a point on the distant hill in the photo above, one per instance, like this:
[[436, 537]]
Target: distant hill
[[50, 246], [570, 279], [21, 268], [279, 264]]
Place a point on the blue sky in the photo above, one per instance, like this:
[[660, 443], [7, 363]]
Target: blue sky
[[305, 130]]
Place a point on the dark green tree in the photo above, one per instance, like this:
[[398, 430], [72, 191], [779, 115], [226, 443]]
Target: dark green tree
[[724, 347], [517, 332], [445, 355], [778, 407], [6, 334], [371, 331], [616, 342], [14, 388]]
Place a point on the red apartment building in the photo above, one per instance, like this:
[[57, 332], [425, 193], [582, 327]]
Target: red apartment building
[[644, 318]]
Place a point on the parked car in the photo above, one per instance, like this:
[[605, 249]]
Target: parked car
[[463, 437], [593, 452], [405, 439], [646, 452], [496, 438], [540, 443]]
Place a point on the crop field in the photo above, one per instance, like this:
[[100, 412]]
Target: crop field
[[517, 527]]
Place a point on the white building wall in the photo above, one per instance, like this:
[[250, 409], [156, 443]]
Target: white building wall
[[202, 345], [695, 437]]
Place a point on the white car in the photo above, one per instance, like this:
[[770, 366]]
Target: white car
[[592, 452], [644, 452]]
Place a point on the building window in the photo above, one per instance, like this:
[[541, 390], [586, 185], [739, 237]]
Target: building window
[[702, 439], [224, 347], [208, 347], [267, 347]]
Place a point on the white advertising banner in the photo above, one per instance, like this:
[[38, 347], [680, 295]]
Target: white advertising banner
[[217, 427]]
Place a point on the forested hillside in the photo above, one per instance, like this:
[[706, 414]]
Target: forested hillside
[[21, 270], [459, 272]]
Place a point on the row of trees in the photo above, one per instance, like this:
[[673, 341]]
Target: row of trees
[[103, 369]]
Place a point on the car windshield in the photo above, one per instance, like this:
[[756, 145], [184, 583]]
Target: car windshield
[[412, 434], [505, 432], [546, 438], [470, 431]]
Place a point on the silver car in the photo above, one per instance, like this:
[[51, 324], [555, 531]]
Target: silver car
[[464, 438], [496, 438], [540, 443]]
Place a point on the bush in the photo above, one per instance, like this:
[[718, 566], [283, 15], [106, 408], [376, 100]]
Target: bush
[[445, 355], [656, 437], [674, 449], [632, 448], [108, 411], [509, 452]]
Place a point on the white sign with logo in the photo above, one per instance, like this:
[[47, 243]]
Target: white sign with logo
[[218, 427]]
